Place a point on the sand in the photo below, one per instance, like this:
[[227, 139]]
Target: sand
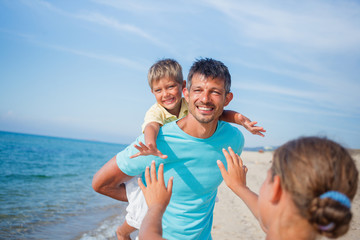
[[233, 220]]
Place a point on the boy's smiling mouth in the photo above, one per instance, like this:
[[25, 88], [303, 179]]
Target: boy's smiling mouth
[[169, 101]]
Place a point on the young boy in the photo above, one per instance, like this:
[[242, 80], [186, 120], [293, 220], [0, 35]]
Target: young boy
[[166, 83]]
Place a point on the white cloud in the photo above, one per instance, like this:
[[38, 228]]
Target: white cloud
[[108, 58], [276, 90], [113, 23], [103, 57], [151, 7], [311, 24], [101, 19], [335, 102]]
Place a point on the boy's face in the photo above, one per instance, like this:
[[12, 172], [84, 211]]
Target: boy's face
[[168, 94]]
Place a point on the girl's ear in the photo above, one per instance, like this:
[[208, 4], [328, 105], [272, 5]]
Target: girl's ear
[[276, 190]]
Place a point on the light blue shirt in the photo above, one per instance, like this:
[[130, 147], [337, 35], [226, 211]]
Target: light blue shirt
[[192, 163]]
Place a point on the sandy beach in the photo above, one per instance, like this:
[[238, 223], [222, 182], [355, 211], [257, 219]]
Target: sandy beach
[[233, 220]]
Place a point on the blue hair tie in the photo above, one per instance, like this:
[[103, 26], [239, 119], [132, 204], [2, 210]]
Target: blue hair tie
[[337, 196]]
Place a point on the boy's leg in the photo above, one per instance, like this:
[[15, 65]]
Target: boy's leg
[[123, 232]]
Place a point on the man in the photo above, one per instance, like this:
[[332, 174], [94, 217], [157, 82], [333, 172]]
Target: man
[[193, 144]]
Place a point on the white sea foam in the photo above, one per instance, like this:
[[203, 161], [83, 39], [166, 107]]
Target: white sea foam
[[106, 229]]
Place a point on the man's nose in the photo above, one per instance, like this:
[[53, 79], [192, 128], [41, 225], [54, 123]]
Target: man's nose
[[205, 96]]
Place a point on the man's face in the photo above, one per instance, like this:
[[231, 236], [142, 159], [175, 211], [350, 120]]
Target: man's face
[[207, 98]]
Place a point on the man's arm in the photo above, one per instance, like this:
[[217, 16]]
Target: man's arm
[[237, 118], [109, 181]]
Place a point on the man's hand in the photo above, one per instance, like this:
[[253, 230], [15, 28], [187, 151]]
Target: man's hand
[[147, 150], [235, 176], [156, 193]]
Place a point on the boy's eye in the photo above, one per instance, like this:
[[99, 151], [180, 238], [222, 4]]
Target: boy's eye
[[157, 90]]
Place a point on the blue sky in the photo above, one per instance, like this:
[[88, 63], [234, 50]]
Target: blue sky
[[78, 69]]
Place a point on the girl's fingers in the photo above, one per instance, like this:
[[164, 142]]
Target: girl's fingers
[[141, 185], [229, 159], [240, 160], [153, 171], [147, 176], [233, 156], [161, 173], [222, 168], [170, 185]]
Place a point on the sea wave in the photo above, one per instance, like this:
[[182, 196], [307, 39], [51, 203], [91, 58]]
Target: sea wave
[[38, 176]]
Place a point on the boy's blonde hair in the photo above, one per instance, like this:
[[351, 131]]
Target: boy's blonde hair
[[165, 68]]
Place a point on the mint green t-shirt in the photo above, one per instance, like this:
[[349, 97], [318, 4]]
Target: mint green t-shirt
[[192, 163]]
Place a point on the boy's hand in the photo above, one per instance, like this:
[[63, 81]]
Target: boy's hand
[[250, 126], [235, 176], [156, 193], [256, 130], [147, 150]]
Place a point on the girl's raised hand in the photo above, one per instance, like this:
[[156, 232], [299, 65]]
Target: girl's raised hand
[[235, 175], [156, 193]]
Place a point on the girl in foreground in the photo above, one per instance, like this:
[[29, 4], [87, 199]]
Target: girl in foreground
[[307, 191]]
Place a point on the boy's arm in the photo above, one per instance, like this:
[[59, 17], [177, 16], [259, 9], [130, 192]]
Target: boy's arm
[[149, 148], [150, 133], [235, 117], [235, 179], [109, 181]]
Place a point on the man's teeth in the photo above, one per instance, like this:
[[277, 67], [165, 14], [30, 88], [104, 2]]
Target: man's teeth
[[205, 108]]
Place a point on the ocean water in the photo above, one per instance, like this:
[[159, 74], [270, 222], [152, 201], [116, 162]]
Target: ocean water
[[45, 189]]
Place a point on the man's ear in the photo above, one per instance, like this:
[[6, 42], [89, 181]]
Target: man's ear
[[186, 94], [183, 84], [276, 190], [228, 98]]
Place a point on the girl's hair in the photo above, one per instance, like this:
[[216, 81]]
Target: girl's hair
[[165, 68], [311, 166]]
